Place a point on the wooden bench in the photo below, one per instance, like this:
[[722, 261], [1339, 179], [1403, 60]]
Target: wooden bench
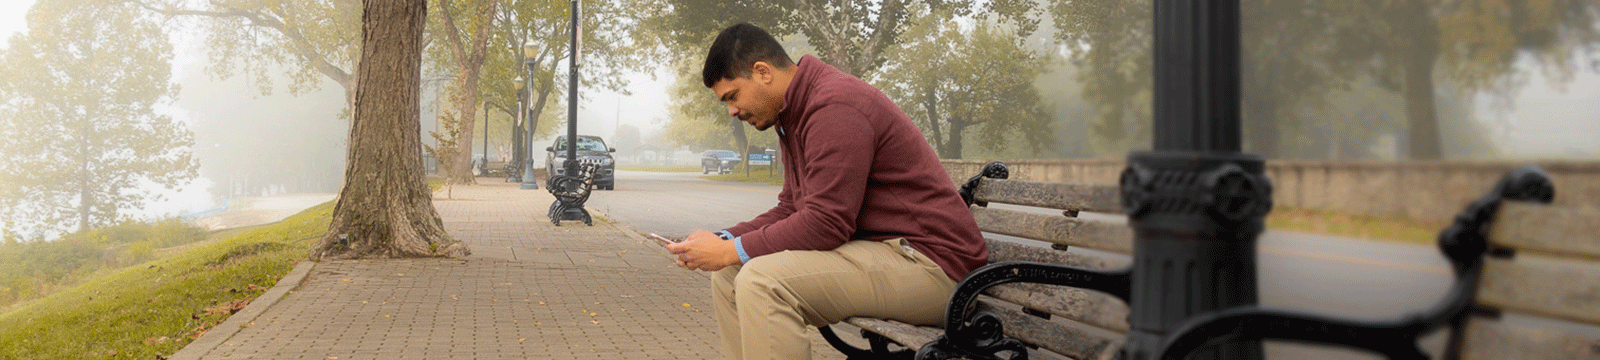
[[1078, 323], [1527, 287]]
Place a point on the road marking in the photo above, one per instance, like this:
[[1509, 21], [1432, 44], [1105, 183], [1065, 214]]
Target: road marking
[[1356, 260]]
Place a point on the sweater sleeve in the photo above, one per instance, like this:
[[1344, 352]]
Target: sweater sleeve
[[839, 150]]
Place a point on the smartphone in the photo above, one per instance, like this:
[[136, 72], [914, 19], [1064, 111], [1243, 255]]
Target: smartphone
[[660, 239]]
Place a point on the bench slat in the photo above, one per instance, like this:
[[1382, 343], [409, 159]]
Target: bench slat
[[1553, 229], [905, 334], [1060, 338], [1095, 198], [1085, 306], [1497, 339], [1553, 287], [1000, 251], [1098, 235]]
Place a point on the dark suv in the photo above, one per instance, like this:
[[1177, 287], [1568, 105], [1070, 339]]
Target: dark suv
[[591, 150], [721, 161]]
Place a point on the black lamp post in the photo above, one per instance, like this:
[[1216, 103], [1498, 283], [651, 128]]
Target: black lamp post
[[529, 181], [519, 152], [1196, 202], [573, 192]]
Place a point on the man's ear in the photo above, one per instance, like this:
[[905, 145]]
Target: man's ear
[[762, 72]]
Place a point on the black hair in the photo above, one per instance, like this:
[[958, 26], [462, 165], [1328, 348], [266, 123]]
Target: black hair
[[738, 48]]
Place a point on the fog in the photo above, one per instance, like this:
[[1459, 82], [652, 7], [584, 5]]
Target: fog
[[253, 144]]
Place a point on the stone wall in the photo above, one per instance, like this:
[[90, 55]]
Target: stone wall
[[1423, 190]]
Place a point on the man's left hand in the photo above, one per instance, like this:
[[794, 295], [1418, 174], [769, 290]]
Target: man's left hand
[[703, 250]]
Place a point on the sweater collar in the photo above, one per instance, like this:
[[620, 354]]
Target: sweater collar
[[809, 68]]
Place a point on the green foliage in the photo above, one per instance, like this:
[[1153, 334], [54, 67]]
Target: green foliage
[[36, 268], [158, 307], [949, 79], [850, 35], [310, 39], [697, 120], [611, 47], [82, 86]]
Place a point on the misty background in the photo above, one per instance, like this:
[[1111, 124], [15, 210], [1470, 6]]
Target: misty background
[[267, 132]]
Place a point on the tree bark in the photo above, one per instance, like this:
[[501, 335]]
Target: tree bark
[[385, 209]]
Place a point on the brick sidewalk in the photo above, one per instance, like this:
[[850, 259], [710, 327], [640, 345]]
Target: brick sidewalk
[[530, 290]]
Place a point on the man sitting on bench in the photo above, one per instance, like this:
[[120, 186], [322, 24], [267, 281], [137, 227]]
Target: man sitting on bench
[[868, 223]]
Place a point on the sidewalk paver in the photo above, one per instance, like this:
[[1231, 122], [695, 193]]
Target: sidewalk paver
[[531, 290]]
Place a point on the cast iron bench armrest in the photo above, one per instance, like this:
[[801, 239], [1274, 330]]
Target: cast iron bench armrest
[[1464, 243]]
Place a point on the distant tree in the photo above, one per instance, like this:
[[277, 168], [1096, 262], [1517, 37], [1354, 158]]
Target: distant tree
[[1297, 51], [312, 39], [81, 131], [462, 30], [385, 209], [627, 140], [950, 80], [850, 35], [697, 120], [611, 49]]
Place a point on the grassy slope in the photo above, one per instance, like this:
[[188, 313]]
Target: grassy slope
[[157, 307]]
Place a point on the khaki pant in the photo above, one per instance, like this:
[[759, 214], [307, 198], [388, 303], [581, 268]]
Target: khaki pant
[[763, 306]]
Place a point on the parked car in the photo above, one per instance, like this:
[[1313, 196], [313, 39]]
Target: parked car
[[591, 150], [722, 161]]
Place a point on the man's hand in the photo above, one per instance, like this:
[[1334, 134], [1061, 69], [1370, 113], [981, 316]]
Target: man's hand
[[703, 250]]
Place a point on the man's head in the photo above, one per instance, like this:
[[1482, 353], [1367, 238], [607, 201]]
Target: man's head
[[749, 71]]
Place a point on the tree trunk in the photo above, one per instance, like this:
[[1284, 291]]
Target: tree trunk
[[930, 104], [385, 209], [739, 137], [953, 139], [1421, 116], [461, 173]]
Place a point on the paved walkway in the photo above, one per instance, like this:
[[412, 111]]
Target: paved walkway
[[530, 290]]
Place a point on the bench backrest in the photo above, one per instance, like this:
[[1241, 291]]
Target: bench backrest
[[1097, 320], [1540, 285]]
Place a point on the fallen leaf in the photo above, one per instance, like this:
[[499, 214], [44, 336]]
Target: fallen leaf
[[685, 304], [541, 303], [520, 340], [595, 322], [386, 316], [592, 314], [344, 279]]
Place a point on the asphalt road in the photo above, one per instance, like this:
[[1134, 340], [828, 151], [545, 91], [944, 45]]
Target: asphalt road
[[1321, 274]]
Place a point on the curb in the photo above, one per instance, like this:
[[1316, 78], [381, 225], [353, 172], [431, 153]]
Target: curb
[[224, 331]]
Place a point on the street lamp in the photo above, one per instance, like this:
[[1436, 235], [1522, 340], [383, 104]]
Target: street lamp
[[518, 152], [529, 51], [569, 200]]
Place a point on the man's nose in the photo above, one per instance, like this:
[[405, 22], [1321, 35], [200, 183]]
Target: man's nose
[[733, 111]]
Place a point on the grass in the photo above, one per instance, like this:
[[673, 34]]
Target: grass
[[153, 309], [1356, 226], [758, 174]]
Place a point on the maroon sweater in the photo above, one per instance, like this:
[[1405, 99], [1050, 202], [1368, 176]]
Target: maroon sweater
[[856, 168]]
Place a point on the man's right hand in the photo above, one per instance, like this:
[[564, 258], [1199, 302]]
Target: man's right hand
[[703, 250]]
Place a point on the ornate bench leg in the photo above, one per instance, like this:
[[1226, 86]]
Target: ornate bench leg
[[879, 344]]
